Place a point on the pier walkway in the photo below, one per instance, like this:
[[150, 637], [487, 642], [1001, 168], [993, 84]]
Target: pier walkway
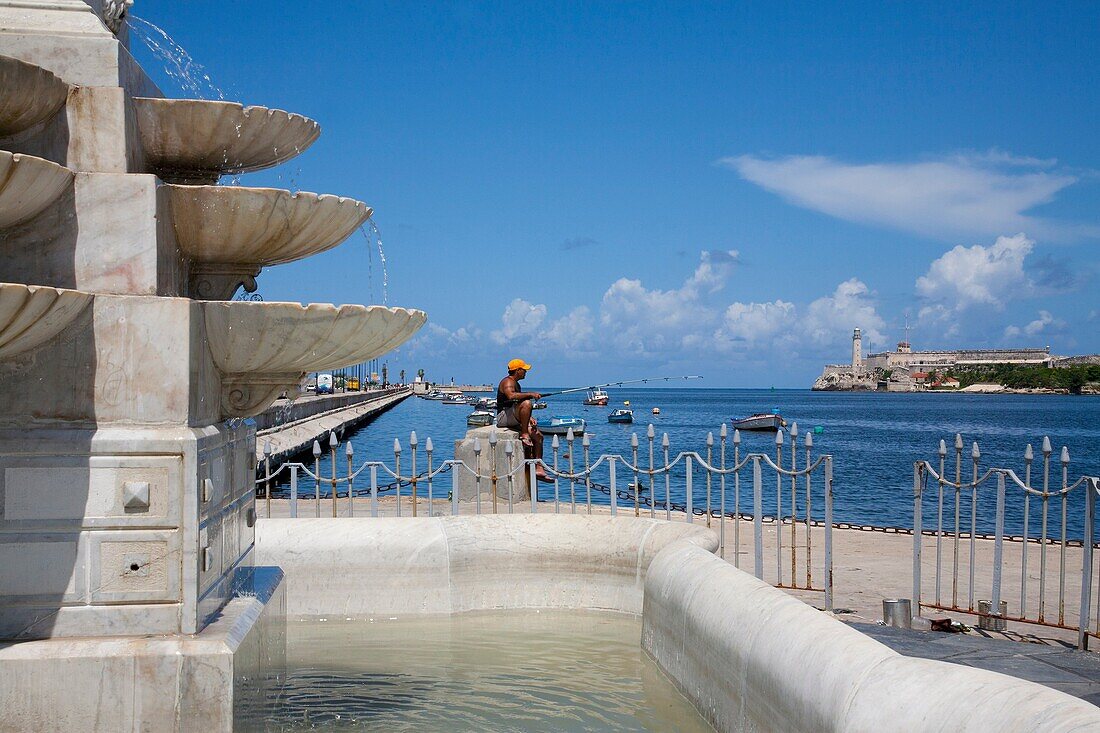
[[291, 427]]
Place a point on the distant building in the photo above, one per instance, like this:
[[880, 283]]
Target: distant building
[[906, 370]]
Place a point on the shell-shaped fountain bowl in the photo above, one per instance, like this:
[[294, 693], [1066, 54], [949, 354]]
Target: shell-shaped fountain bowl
[[30, 315], [264, 349], [259, 226], [194, 141], [30, 95], [28, 185]]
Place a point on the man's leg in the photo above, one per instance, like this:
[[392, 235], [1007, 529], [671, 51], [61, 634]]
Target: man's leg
[[536, 452], [523, 414]]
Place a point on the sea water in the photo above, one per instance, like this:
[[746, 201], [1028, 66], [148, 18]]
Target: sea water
[[874, 439], [499, 671]]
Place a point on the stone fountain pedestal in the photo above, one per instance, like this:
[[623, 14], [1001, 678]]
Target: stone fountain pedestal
[[127, 497]]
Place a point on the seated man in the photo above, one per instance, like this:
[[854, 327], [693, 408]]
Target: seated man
[[514, 411]]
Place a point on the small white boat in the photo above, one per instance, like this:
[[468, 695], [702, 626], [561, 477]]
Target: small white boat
[[456, 399], [764, 421], [480, 418], [597, 397]]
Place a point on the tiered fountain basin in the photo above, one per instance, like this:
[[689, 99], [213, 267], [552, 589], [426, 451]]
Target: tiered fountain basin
[[28, 185], [31, 96], [31, 315], [229, 232], [192, 141], [265, 349]]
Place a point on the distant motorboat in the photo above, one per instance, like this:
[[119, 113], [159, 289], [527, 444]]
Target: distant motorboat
[[435, 395], [762, 421], [456, 399], [597, 397], [480, 418], [561, 426], [621, 416], [538, 405], [486, 403]]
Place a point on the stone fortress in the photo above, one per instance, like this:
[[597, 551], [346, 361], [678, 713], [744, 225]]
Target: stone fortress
[[906, 370]]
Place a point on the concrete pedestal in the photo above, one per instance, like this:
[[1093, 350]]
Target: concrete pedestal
[[485, 462]]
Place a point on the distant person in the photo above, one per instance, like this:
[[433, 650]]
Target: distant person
[[514, 411]]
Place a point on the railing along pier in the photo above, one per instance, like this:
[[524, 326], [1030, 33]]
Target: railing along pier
[[706, 500], [1000, 497]]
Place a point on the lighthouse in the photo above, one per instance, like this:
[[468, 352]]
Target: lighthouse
[[857, 351]]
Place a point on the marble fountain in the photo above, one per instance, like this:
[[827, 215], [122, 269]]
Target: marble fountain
[[138, 589]]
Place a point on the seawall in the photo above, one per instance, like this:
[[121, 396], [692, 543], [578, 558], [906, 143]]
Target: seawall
[[291, 428]]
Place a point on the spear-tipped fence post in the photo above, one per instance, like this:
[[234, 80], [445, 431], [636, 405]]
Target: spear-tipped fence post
[[736, 499], [651, 434], [779, 508], [1029, 457], [555, 445], [413, 443], [722, 435], [634, 453], [668, 481], [975, 457], [429, 448], [477, 475], [508, 459], [758, 517], [294, 490], [958, 509], [585, 443], [317, 476], [493, 466], [614, 487], [794, 504], [809, 511], [333, 444], [397, 470], [1062, 550], [710, 462], [1047, 450], [350, 453], [569, 438], [939, 520], [267, 476]]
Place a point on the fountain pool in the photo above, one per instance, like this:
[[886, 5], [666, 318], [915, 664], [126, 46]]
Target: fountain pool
[[505, 670]]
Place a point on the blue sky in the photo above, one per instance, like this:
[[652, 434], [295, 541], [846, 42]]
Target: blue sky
[[617, 190]]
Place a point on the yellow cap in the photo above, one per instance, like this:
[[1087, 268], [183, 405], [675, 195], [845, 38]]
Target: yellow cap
[[518, 364]]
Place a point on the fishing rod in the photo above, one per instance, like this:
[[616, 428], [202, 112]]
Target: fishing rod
[[619, 384]]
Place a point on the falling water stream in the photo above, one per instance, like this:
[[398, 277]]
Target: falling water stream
[[373, 235], [178, 64]]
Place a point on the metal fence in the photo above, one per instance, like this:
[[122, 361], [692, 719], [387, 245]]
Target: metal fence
[[713, 485], [999, 499]]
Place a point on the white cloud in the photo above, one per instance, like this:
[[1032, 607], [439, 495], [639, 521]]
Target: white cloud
[[645, 322], [832, 317], [753, 322], [1045, 323], [957, 195], [572, 333], [967, 276], [520, 319]]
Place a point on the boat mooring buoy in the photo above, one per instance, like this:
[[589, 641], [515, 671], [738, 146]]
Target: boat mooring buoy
[[656, 410]]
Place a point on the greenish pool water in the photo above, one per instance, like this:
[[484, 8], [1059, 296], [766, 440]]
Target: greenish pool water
[[502, 671]]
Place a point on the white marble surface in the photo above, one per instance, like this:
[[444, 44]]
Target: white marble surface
[[751, 657], [466, 481], [31, 96], [197, 140], [195, 682], [31, 315], [259, 226], [27, 186], [359, 568], [259, 338]]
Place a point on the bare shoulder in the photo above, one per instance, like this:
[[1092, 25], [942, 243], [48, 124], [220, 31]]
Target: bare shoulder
[[507, 382]]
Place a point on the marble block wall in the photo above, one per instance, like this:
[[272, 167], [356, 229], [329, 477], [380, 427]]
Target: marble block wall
[[466, 484]]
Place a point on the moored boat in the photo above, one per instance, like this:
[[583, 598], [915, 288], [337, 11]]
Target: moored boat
[[764, 421], [597, 397], [621, 416], [561, 425], [480, 418], [456, 399]]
